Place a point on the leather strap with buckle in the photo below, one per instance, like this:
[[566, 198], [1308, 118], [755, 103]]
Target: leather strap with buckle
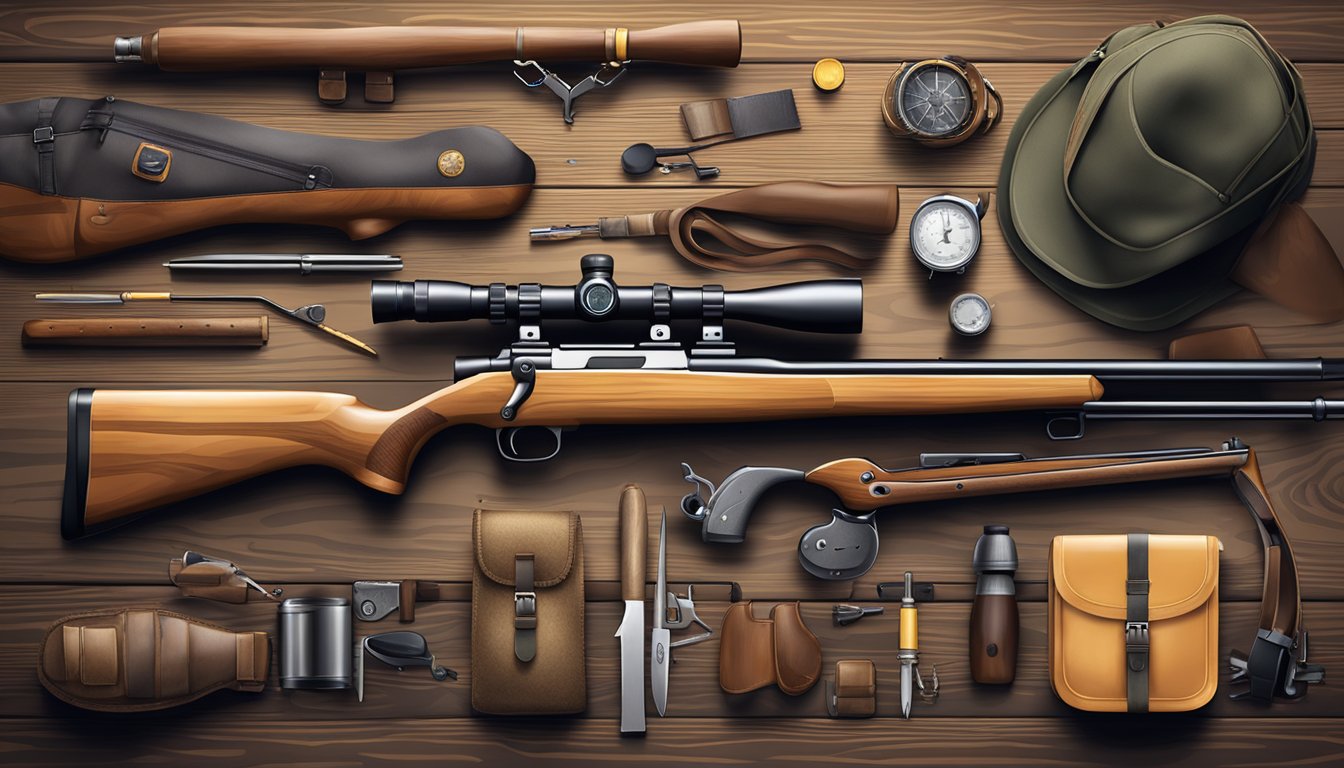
[[524, 607], [1136, 624], [44, 139]]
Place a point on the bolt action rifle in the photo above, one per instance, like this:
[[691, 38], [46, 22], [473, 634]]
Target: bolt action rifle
[[130, 451]]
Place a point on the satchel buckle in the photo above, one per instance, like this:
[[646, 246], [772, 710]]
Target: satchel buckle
[[44, 135], [525, 610], [1136, 636]]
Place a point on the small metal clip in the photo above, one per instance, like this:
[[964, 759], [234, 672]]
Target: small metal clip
[[928, 694], [540, 76], [682, 610], [693, 504]]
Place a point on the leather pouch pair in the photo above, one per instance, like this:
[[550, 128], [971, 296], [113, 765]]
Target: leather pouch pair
[[527, 652], [84, 176], [780, 650], [136, 660], [1133, 621]]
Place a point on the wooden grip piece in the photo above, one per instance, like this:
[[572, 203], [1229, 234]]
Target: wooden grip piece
[[147, 332], [634, 513]]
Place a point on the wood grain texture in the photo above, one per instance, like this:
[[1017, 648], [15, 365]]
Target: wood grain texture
[[313, 531]]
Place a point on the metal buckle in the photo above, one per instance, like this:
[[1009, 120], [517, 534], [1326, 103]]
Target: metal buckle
[[44, 135], [1136, 636], [524, 603]]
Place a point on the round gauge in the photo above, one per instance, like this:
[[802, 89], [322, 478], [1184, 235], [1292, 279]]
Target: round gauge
[[934, 101], [598, 298], [945, 233], [969, 314]]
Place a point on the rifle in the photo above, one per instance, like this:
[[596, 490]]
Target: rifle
[[129, 451], [380, 50], [846, 547]]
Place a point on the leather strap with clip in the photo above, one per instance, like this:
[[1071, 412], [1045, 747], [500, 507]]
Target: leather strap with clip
[[212, 578], [700, 236]]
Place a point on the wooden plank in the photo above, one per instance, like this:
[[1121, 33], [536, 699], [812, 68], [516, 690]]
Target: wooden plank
[[905, 312], [694, 689], [643, 107], [1053, 30], [1165, 741], [317, 525]]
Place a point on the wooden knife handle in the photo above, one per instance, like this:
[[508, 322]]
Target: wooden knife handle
[[634, 539], [147, 332]]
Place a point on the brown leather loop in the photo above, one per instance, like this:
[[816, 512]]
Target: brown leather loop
[[1280, 603]]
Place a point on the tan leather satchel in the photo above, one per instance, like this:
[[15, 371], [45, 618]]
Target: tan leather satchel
[[527, 655], [1133, 621]]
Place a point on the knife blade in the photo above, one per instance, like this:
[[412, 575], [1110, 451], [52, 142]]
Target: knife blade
[[660, 639], [634, 539]]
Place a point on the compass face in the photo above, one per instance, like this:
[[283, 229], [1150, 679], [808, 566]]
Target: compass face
[[934, 100], [944, 235]]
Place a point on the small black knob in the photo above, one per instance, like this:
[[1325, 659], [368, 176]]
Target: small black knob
[[992, 650]]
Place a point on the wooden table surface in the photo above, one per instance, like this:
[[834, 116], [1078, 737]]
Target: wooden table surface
[[315, 531]]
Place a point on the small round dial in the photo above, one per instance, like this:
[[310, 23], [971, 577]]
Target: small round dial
[[934, 100], [945, 234], [969, 314]]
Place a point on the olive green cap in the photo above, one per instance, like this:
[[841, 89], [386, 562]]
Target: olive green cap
[[1133, 179]]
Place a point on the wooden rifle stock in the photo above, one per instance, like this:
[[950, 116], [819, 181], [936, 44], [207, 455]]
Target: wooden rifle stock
[[130, 451], [698, 43]]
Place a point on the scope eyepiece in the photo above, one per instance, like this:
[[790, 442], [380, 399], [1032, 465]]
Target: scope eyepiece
[[819, 306]]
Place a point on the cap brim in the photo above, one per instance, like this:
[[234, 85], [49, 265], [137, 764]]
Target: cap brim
[[1046, 234]]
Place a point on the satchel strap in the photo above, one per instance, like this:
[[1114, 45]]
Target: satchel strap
[[524, 607], [44, 139], [1136, 623]]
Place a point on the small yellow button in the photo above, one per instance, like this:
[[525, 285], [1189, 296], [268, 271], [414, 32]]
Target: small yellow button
[[828, 74]]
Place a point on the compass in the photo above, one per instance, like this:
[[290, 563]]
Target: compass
[[945, 232], [940, 102]]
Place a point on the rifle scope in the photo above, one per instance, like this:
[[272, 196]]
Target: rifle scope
[[819, 306]]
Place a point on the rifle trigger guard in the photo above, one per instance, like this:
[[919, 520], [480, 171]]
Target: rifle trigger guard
[[524, 373], [506, 442], [1074, 422]]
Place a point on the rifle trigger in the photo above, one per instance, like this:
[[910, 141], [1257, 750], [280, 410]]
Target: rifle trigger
[[525, 379]]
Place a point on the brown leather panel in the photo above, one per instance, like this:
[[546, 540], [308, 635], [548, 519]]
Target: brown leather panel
[[502, 535], [1238, 342], [1290, 262], [705, 119], [746, 650], [169, 659], [141, 652], [70, 656], [855, 691], [174, 657], [99, 660], [554, 681], [209, 580], [45, 228], [797, 651]]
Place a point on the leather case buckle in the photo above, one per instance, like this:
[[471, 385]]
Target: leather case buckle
[[525, 610], [44, 135]]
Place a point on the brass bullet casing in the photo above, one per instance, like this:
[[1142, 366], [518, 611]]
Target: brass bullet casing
[[828, 75], [452, 163]]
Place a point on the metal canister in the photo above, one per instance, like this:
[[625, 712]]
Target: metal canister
[[316, 645]]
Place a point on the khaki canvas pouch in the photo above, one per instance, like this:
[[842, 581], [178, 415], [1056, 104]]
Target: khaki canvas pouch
[[527, 654], [1101, 658]]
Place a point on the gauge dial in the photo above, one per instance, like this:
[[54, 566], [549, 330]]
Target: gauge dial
[[945, 234], [934, 100], [969, 314]]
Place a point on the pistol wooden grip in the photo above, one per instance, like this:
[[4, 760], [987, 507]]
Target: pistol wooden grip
[[634, 539], [715, 43], [130, 451]]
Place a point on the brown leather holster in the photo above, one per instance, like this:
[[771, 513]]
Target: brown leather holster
[[136, 660], [527, 651], [780, 650], [700, 237]]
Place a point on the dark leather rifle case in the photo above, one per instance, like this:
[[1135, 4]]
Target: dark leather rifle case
[[85, 176]]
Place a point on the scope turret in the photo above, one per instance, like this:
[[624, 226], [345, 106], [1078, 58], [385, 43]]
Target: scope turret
[[819, 306]]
